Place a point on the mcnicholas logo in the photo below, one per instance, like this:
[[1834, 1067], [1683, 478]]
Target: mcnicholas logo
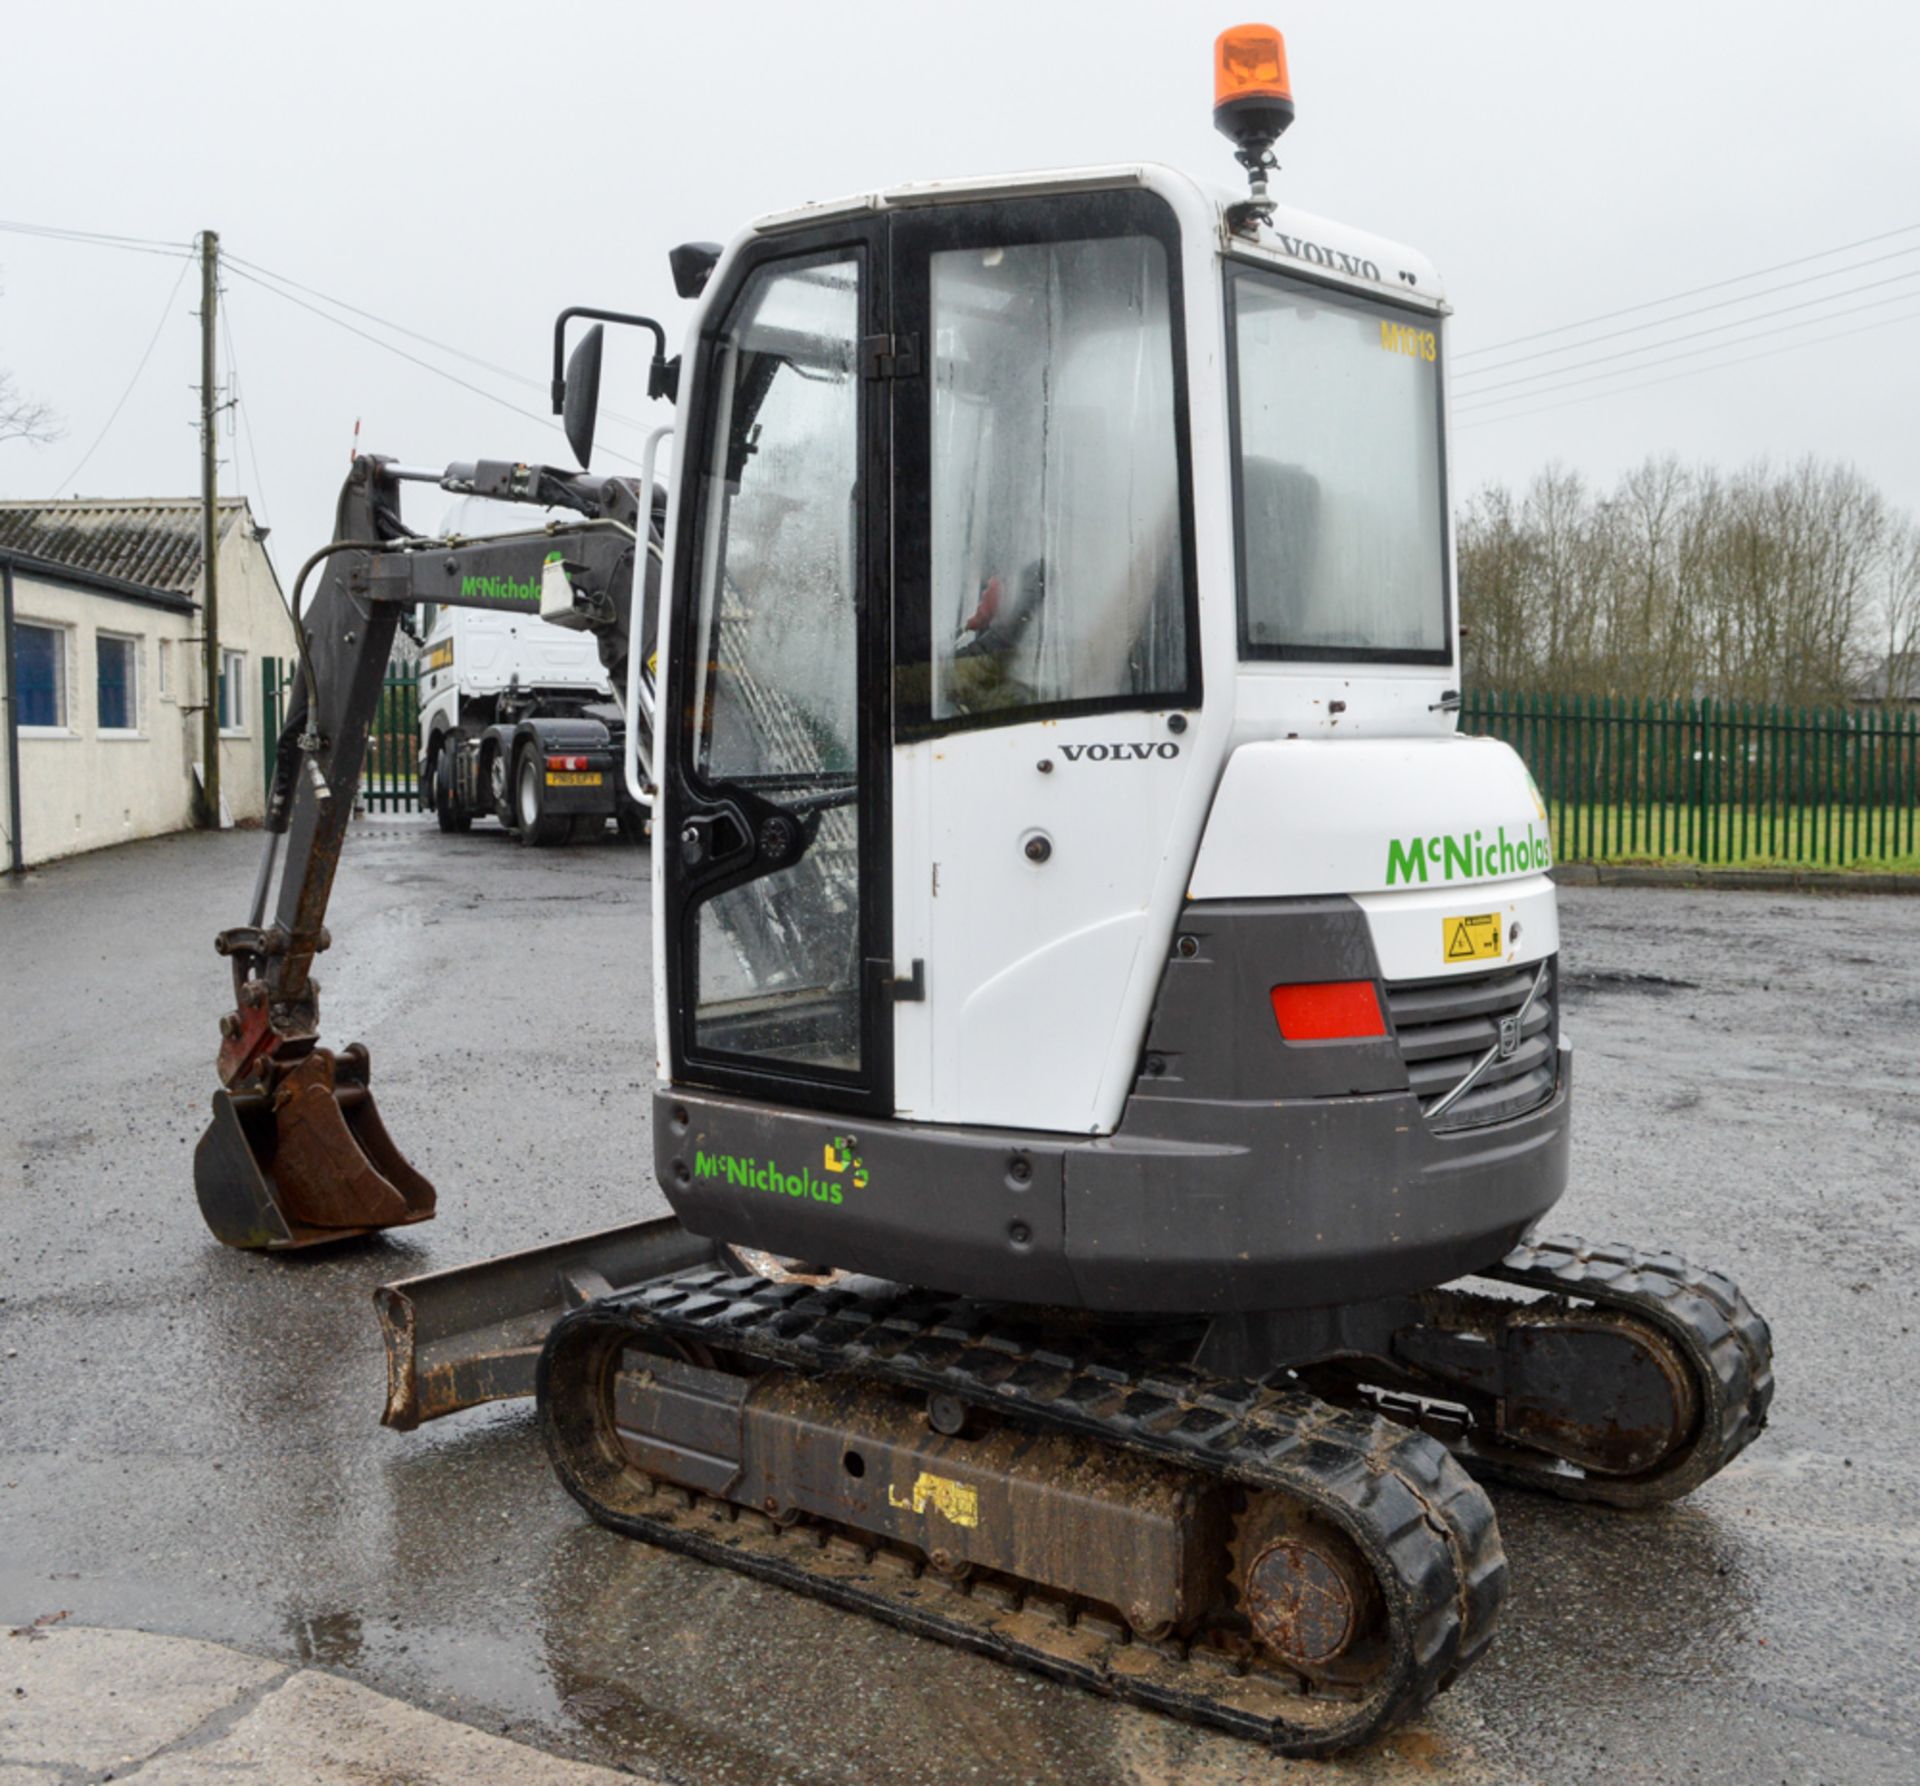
[[499, 589], [1467, 856], [837, 1159]]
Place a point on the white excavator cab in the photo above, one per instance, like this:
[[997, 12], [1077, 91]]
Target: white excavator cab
[[1049, 555]]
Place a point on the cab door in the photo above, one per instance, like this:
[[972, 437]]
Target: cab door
[[1047, 794], [775, 853]]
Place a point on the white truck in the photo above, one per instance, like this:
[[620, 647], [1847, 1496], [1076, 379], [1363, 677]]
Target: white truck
[[518, 720]]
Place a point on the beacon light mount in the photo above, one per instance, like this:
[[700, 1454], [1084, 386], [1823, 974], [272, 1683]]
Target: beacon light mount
[[1252, 106]]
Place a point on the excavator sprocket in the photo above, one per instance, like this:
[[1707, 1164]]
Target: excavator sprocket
[[1629, 1380], [1059, 1494]]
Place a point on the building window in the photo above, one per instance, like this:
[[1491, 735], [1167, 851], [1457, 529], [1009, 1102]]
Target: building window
[[40, 675], [233, 691], [116, 683]]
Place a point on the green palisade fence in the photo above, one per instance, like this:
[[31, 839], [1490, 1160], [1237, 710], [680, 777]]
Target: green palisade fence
[[1712, 782], [1716, 782], [390, 776]]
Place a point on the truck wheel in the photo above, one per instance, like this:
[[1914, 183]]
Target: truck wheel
[[453, 817], [493, 777], [534, 824]]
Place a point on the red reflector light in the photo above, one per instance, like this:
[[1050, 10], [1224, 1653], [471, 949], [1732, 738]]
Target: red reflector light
[[566, 762], [1328, 1011]]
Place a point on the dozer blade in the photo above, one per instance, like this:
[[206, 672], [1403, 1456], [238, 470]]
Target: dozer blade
[[458, 1338], [306, 1160]]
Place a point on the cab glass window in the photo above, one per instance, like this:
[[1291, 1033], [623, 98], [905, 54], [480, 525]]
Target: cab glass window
[[1342, 512], [1057, 569], [777, 702], [776, 695]]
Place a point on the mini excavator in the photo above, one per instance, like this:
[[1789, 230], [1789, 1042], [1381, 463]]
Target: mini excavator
[[1109, 1056]]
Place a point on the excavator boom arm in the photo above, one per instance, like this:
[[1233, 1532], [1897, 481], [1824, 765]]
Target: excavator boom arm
[[296, 1152]]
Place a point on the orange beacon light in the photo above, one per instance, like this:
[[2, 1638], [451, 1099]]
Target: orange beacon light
[[1252, 97], [1252, 105]]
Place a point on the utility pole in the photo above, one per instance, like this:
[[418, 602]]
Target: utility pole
[[209, 536]]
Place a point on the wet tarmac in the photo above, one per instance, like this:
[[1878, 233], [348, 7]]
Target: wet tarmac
[[188, 1437]]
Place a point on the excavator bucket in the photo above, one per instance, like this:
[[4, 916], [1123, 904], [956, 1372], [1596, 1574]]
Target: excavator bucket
[[304, 1160]]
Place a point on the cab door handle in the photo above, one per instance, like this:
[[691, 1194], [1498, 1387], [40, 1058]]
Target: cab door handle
[[710, 837]]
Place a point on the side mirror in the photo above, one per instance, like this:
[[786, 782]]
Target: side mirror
[[581, 403], [576, 391]]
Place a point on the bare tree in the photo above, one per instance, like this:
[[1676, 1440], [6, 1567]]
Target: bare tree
[[22, 418], [1799, 585], [1570, 539], [1499, 641], [1650, 604], [1898, 670]]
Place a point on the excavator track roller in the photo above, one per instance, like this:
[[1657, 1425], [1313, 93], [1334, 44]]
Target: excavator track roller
[[301, 1157]]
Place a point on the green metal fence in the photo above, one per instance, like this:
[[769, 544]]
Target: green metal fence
[[1716, 782], [390, 777], [1711, 782]]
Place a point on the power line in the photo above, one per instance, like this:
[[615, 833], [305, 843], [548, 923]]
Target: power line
[[385, 323], [1556, 374], [270, 281], [446, 347], [1721, 304], [1694, 371], [1690, 292], [96, 239], [1488, 401], [242, 415], [66, 483], [413, 359]]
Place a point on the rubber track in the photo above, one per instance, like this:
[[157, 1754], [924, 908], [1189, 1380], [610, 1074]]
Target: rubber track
[[1727, 1344], [1422, 1523]]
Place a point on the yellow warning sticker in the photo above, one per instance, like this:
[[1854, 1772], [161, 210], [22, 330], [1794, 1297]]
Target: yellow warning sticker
[[958, 1501], [1475, 938]]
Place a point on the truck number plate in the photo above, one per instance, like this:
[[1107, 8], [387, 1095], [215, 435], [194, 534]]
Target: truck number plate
[[573, 778], [1475, 938]]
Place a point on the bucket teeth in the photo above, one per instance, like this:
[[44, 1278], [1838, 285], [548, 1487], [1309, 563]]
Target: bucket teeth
[[305, 1159]]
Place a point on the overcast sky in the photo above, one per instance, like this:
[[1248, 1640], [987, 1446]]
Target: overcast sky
[[464, 171]]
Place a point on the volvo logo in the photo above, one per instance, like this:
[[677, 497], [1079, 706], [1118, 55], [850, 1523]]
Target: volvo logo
[[1119, 753], [1509, 1037], [1315, 255]]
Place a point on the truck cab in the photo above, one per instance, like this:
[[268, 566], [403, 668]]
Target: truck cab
[[518, 719]]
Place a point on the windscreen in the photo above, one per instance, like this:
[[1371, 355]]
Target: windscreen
[[1341, 500]]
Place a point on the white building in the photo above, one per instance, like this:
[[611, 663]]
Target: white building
[[102, 733]]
